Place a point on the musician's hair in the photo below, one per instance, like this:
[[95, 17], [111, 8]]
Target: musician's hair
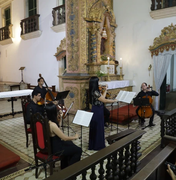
[[35, 93], [51, 111], [39, 79], [93, 86]]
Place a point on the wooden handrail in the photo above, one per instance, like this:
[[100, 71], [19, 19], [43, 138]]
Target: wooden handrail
[[154, 164], [168, 125], [114, 166]]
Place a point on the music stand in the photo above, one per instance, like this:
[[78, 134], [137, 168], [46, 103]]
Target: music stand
[[62, 95], [141, 102], [22, 68]]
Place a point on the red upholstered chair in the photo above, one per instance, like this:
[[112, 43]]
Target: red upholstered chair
[[41, 143], [25, 100]]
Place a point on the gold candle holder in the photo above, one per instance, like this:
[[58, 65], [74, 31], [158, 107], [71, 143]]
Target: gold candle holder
[[108, 78], [121, 75]]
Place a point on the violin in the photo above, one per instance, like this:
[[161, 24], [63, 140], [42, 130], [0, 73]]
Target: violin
[[146, 111], [102, 89]]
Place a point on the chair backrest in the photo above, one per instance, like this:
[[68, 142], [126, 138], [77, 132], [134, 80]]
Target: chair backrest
[[41, 134], [25, 100]]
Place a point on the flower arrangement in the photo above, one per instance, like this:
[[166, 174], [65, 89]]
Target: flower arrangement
[[101, 73], [104, 57]]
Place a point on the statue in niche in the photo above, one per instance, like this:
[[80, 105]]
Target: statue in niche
[[103, 40]]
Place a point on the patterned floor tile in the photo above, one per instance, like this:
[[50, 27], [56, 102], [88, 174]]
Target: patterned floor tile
[[12, 134]]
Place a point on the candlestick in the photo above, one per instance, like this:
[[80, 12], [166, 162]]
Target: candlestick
[[121, 74], [120, 63], [108, 78]]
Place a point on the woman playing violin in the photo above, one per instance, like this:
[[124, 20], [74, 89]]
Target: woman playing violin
[[146, 92]]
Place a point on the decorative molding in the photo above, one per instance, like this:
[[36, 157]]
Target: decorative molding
[[163, 13], [59, 28], [97, 11], [31, 35], [7, 41], [166, 41], [61, 50], [4, 2]]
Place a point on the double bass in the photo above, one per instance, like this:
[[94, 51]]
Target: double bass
[[51, 97], [145, 111]]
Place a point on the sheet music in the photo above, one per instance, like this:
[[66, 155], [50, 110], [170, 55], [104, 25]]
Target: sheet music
[[125, 96], [83, 118]]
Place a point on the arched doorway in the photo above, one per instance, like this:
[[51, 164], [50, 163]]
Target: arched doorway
[[163, 51]]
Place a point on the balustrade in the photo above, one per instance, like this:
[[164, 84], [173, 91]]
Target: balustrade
[[5, 33], [58, 15], [30, 24], [117, 161], [161, 4], [168, 124]]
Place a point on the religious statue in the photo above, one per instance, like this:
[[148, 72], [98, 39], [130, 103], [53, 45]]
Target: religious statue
[[103, 40]]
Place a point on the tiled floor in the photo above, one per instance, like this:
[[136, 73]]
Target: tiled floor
[[12, 136]]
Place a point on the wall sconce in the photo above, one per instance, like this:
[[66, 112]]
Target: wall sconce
[[149, 68]]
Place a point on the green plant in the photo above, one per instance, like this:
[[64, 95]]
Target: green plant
[[100, 73]]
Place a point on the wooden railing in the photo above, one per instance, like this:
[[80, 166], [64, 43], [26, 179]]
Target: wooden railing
[[58, 15], [117, 161], [168, 125], [156, 168], [161, 4], [5, 32], [30, 24]]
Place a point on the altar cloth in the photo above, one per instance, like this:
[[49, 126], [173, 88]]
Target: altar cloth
[[118, 83], [18, 93]]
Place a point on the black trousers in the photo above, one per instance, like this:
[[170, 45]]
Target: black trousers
[[71, 154], [106, 115], [142, 120]]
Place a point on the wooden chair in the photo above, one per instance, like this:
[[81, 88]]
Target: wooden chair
[[41, 143], [25, 100]]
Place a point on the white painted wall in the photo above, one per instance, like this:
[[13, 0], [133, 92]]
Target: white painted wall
[[135, 33], [37, 54]]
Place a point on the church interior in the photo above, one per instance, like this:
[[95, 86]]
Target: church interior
[[66, 42]]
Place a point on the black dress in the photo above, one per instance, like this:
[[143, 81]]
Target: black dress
[[71, 153], [96, 130]]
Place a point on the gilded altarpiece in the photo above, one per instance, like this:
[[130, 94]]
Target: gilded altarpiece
[[85, 22]]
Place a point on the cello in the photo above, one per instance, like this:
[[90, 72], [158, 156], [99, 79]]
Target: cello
[[51, 97], [145, 111]]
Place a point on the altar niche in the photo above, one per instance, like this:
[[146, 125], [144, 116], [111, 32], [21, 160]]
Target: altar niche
[[101, 36]]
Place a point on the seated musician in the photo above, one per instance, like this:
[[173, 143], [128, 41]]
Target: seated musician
[[40, 87], [60, 142], [145, 91], [33, 105]]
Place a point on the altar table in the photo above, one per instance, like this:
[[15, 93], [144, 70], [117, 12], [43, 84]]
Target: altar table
[[12, 94]]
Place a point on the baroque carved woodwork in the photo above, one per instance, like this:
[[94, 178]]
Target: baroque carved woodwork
[[166, 41]]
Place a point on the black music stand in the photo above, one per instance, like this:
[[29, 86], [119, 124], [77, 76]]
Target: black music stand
[[141, 102], [62, 95]]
